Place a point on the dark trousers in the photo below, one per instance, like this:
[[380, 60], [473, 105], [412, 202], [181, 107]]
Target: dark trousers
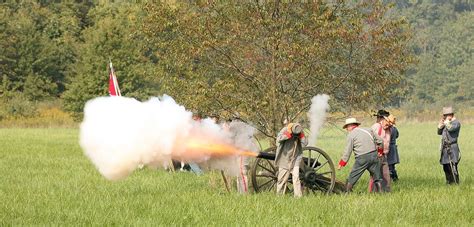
[[364, 162], [393, 172], [451, 176]]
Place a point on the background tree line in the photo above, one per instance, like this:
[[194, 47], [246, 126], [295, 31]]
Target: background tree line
[[444, 45], [259, 60]]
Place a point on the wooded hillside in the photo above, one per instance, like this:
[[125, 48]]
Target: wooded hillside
[[237, 58]]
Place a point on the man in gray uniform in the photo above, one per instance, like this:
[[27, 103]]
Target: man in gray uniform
[[363, 142], [449, 128], [288, 157]]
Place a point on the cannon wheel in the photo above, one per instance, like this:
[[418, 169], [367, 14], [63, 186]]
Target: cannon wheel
[[264, 172]]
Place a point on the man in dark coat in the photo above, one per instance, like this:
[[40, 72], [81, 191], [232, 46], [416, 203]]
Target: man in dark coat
[[392, 157], [449, 128]]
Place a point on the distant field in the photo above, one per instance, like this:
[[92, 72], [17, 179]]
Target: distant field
[[46, 180]]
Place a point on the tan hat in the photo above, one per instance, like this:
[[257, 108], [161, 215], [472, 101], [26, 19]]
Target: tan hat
[[391, 119], [448, 110], [350, 121]]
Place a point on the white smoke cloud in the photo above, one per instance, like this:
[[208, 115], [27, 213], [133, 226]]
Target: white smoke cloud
[[118, 134], [317, 116]]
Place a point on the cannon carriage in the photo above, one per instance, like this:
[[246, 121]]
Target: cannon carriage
[[317, 172]]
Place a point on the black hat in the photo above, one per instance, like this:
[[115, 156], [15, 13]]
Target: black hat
[[382, 113]]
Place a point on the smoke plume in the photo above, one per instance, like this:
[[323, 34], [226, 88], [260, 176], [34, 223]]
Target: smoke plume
[[317, 116], [118, 134]]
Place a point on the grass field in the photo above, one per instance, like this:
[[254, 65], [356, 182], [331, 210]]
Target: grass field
[[46, 180]]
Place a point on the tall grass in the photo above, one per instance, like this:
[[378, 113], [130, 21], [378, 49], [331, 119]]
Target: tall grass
[[45, 116], [46, 180]]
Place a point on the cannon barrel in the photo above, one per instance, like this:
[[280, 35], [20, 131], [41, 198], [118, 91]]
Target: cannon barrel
[[271, 156], [266, 155]]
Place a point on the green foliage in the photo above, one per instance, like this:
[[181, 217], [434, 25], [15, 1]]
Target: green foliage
[[47, 180], [261, 61], [16, 105], [265, 61], [444, 43], [111, 36], [37, 47]]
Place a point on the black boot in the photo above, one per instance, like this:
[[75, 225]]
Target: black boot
[[395, 177], [393, 172], [448, 174], [456, 173]]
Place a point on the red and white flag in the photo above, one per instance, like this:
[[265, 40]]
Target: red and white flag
[[114, 89]]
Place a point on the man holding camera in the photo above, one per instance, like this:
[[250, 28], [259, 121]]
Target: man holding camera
[[289, 154], [448, 128]]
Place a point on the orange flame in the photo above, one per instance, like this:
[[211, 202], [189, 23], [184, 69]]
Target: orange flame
[[215, 149]]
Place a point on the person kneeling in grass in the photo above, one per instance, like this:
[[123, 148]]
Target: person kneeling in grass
[[363, 142]]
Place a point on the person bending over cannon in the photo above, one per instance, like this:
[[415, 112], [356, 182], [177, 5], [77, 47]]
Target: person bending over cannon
[[363, 142], [288, 157], [449, 128]]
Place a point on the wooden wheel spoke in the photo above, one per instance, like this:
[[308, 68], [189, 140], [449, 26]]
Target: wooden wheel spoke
[[267, 176], [309, 159], [321, 166], [321, 174], [271, 186], [261, 186], [324, 180], [267, 169], [320, 188], [316, 161], [271, 165]]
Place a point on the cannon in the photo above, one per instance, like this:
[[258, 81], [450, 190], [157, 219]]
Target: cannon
[[317, 172]]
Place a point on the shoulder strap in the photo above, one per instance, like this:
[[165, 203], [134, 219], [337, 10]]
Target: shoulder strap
[[366, 132]]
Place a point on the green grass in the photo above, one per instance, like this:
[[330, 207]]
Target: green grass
[[46, 179]]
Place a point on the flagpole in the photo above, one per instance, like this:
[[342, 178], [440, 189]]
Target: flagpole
[[114, 79]]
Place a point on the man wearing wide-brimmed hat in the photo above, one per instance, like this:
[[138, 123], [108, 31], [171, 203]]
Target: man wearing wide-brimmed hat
[[449, 128], [363, 142]]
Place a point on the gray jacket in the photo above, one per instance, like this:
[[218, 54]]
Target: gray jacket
[[449, 142], [360, 141], [284, 154]]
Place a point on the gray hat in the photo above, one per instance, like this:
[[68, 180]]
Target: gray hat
[[296, 129], [448, 110]]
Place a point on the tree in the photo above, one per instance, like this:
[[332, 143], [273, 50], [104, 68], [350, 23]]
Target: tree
[[264, 61], [110, 36], [444, 43], [36, 49]]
